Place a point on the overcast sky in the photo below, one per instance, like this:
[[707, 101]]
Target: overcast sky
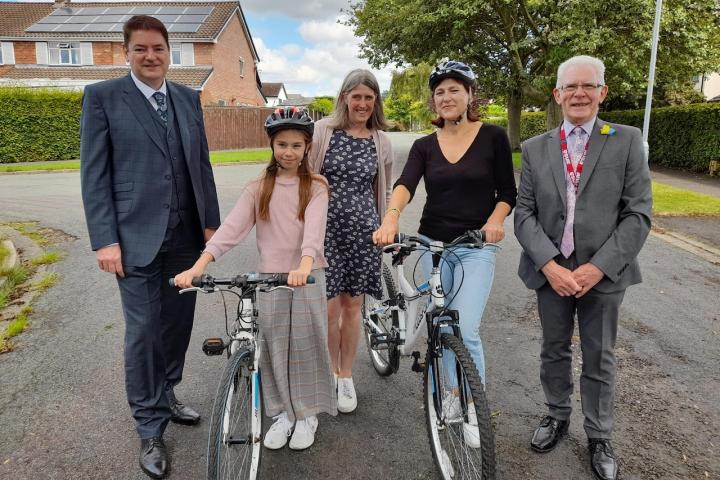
[[301, 43]]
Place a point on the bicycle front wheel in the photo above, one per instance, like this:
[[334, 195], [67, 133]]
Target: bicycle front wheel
[[235, 441], [380, 339], [457, 414]]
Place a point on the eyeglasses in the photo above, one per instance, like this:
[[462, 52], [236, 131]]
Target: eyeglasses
[[586, 87]]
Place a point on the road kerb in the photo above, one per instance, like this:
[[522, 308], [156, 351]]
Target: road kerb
[[707, 252]]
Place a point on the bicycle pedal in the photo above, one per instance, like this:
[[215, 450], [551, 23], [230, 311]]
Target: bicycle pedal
[[417, 366], [213, 346]]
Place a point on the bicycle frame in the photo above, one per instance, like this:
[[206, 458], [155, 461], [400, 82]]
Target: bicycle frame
[[412, 304]]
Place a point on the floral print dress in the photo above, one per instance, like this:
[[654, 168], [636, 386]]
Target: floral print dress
[[350, 166]]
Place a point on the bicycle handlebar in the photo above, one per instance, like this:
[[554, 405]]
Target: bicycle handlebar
[[471, 238], [242, 281]]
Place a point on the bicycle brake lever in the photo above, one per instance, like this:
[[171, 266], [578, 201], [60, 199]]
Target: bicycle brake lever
[[279, 287], [197, 289]]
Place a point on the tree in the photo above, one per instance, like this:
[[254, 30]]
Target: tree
[[407, 98], [322, 104], [515, 47]]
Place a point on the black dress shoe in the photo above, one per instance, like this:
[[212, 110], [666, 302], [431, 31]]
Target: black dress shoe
[[602, 459], [548, 433], [183, 414], [153, 457]]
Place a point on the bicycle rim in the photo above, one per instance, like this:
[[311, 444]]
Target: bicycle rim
[[384, 361], [234, 444], [459, 429]]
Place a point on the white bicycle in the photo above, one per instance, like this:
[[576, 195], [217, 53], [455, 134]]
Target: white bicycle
[[457, 415], [235, 439]]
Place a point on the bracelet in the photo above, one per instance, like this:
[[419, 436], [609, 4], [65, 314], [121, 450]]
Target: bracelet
[[393, 210]]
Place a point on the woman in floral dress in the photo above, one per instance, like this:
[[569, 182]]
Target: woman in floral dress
[[355, 155]]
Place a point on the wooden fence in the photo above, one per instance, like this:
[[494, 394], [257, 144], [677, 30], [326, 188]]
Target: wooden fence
[[232, 128]]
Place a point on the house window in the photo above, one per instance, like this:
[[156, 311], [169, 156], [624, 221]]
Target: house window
[[64, 53], [242, 66], [1, 57], [175, 54]]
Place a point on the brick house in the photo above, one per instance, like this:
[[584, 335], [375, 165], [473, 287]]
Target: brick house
[[70, 45]]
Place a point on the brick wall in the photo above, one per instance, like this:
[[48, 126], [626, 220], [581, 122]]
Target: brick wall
[[25, 53], [226, 83], [102, 53]]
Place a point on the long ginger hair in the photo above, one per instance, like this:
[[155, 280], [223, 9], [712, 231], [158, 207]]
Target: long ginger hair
[[305, 187]]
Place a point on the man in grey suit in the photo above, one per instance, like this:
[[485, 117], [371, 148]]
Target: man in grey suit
[[582, 216], [150, 204]]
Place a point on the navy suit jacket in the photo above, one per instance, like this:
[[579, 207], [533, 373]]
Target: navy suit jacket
[[125, 173]]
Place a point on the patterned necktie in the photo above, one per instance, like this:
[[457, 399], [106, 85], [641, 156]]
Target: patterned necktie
[[162, 106], [567, 246]]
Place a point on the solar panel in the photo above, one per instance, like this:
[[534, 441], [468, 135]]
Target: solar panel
[[98, 27], [177, 19], [171, 10], [191, 19], [69, 27], [92, 11], [48, 20], [167, 19], [184, 27], [144, 10], [82, 20], [199, 10]]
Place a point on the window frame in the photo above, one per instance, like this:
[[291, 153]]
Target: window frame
[[71, 49]]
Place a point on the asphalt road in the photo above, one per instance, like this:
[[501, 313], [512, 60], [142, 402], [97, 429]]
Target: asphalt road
[[63, 413]]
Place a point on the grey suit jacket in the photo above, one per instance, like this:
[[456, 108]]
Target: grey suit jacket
[[612, 211], [125, 173]]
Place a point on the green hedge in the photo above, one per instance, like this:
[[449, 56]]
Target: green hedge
[[39, 124], [686, 137], [531, 124]]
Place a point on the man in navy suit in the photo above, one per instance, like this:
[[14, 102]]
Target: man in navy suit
[[150, 204]]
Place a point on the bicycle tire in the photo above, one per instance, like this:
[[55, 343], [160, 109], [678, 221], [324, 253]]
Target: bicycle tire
[[236, 415], [447, 438], [384, 363]]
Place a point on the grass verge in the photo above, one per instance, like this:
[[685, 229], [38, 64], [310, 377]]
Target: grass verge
[[673, 201], [14, 328], [251, 155], [14, 276], [49, 280], [46, 258]]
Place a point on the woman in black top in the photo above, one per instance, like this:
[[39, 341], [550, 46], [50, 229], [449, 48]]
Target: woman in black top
[[468, 173]]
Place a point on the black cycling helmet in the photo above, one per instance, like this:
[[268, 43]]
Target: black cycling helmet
[[284, 118], [451, 69]]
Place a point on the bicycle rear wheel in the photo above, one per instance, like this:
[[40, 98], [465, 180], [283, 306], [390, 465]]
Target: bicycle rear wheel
[[235, 440], [385, 356], [457, 414]]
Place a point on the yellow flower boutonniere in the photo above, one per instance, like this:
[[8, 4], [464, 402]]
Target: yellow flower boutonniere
[[607, 130]]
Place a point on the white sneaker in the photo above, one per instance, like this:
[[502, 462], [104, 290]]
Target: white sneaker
[[446, 464], [347, 400], [471, 432], [451, 409], [304, 434], [278, 434]]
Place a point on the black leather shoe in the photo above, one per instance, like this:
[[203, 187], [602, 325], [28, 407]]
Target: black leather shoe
[[546, 435], [183, 414], [153, 457], [602, 459]]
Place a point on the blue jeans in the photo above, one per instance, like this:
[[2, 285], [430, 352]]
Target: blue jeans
[[476, 275]]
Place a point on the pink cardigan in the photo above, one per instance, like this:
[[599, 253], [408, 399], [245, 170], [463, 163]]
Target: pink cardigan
[[283, 239], [383, 147]]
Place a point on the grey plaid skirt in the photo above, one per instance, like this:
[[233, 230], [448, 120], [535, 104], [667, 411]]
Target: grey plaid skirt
[[310, 388]]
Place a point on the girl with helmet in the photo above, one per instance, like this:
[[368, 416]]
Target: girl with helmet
[[287, 206], [468, 173]]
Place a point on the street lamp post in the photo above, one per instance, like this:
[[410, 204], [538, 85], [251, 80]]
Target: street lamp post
[[651, 77]]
